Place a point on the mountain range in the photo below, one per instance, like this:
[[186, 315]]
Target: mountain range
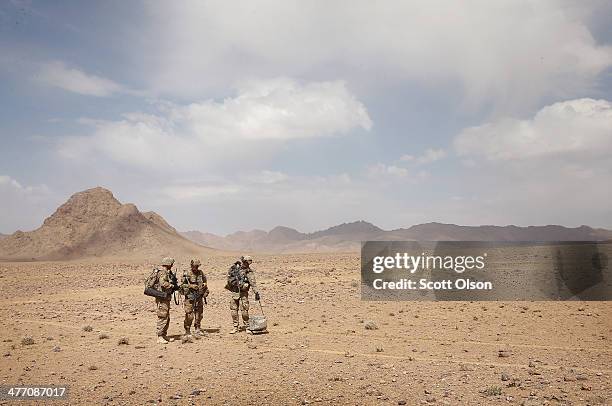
[[92, 223], [348, 236]]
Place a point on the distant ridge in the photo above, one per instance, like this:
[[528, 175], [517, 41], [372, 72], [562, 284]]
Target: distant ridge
[[92, 223], [348, 236]]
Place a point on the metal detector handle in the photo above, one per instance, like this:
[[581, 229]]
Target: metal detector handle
[[261, 307]]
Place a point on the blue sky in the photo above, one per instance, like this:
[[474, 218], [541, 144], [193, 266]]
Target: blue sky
[[225, 117]]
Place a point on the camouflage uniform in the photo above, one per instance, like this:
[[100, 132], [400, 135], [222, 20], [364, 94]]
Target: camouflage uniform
[[194, 281], [241, 299], [163, 305]]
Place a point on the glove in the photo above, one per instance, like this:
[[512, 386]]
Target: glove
[[257, 297]]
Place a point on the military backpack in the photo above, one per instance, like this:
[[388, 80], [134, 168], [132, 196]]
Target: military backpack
[[152, 286], [236, 279]]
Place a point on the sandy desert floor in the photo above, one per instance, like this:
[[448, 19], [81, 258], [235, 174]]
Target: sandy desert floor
[[317, 352]]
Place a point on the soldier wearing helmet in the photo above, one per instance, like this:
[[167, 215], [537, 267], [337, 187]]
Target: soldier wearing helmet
[[195, 290], [241, 279], [164, 284]]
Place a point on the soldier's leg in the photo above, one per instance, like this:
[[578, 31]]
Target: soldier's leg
[[188, 306], [163, 317], [234, 311], [244, 307], [198, 312]]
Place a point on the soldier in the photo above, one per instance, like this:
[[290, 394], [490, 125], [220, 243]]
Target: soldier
[[241, 278], [195, 289], [164, 284]]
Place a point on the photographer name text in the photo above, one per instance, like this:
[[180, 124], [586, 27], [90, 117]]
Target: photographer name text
[[426, 284]]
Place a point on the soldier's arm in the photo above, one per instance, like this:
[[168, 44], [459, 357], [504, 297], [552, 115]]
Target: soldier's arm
[[190, 286], [184, 284], [164, 281], [203, 286], [198, 283], [193, 284], [252, 281]]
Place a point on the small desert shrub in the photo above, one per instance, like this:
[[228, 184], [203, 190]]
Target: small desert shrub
[[370, 325], [87, 328], [103, 336], [93, 367], [27, 340], [492, 391], [123, 341]]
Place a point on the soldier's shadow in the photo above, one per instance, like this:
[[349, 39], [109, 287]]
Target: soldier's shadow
[[211, 330], [178, 337], [256, 333]]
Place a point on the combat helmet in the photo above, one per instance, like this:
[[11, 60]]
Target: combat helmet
[[167, 261]]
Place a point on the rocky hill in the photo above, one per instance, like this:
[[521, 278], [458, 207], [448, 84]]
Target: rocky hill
[[159, 220], [93, 223], [348, 236]]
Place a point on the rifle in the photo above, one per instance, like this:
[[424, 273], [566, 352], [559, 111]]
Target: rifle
[[193, 295], [175, 285]]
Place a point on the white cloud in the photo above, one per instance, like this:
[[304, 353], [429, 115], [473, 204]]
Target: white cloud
[[8, 181], [382, 170], [278, 109], [57, 74], [240, 187], [574, 129], [511, 53], [261, 115], [187, 193], [268, 177], [551, 168], [430, 155], [22, 206]]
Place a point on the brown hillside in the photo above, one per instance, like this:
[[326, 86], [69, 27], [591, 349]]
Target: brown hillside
[[159, 220], [93, 223]]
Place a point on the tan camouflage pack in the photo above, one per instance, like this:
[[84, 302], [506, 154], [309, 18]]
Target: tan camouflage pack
[[152, 286], [153, 280]]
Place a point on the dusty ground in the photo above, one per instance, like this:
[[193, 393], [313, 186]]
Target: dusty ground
[[318, 350]]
